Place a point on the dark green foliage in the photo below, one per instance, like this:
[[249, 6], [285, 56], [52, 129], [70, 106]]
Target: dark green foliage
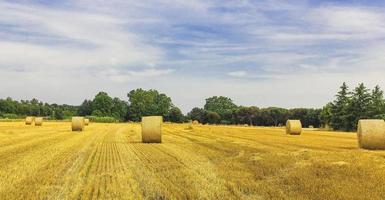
[[245, 115], [341, 114], [252, 115], [197, 114], [350, 107], [175, 115], [85, 108], [326, 114], [147, 103], [119, 109], [308, 117], [377, 102], [212, 117], [358, 107], [102, 119], [58, 114], [9, 116], [105, 106], [102, 105], [221, 105], [273, 116], [339, 109], [15, 109]]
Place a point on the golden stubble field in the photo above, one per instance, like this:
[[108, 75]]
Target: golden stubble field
[[108, 161]]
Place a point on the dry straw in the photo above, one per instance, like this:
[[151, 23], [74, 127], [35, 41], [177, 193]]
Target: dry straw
[[78, 123], [371, 134], [86, 122], [293, 127], [190, 126], [28, 120], [38, 121], [195, 122], [152, 129]]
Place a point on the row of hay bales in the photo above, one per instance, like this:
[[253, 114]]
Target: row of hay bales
[[151, 126], [37, 120], [78, 123], [370, 132]]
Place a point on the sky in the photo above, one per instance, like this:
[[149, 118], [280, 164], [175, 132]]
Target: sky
[[263, 52]]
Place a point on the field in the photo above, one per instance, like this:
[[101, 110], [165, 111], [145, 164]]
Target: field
[[108, 161]]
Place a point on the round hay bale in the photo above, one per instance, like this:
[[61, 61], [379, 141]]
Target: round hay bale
[[86, 122], [152, 129], [195, 122], [38, 121], [28, 120], [189, 126], [78, 123], [293, 127], [371, 134]]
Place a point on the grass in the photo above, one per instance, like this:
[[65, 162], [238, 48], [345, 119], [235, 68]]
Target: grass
[[108, 161]]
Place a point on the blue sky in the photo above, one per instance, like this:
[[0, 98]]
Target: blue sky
[[264, 53]]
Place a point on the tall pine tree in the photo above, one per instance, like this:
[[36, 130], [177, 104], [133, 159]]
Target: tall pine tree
[[377, 103], [339, 107], [358, 106]]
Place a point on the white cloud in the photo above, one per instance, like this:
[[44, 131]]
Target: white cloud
[[238, 74], [338, 23], [97, 40], [350, 19], [128, 76]]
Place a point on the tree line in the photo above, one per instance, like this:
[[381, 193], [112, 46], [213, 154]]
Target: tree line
[[222, 110], [10, 108], [341, 114], [350, 106]]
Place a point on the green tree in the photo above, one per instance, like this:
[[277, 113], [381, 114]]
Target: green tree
[[339, 109], [197, 114], [58, 114], [33, 107], [97, 113], [307, 116], [146, 103], [377, 103], [85, 108], [212, 117], [119, 109], [312, 118], [326, 114], [175, 115], [102, 105], [245, 115], [69, 111], [273, 116], [221, 105], [358, 107], [7, 105]]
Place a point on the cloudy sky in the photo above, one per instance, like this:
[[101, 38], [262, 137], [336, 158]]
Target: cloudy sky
[[262, 52]]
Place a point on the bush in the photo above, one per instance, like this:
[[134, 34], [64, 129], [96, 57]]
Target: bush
[[10, 116], [225, 122], [380, 116], [102, 119]]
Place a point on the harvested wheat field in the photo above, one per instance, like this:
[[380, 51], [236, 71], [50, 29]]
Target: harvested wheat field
[[109, 161]]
